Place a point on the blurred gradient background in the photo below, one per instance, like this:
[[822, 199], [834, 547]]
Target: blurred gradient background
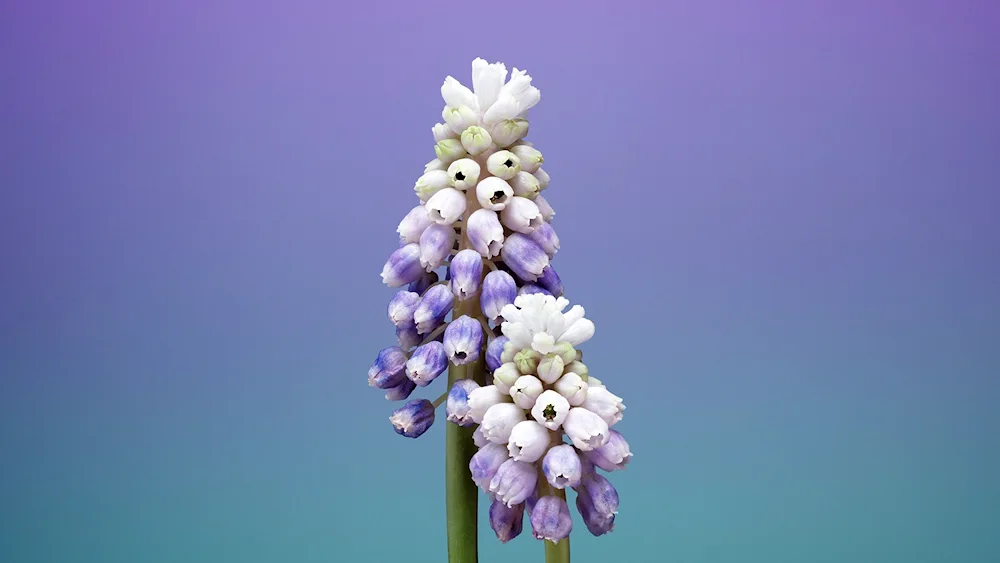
[[782, 216]]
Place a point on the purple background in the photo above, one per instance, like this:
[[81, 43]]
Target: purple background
[[781, 215]]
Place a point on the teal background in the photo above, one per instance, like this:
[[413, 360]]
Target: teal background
[[782, 217]]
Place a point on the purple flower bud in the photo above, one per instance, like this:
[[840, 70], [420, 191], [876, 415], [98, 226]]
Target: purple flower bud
[[388, 369], [413, 418], [426, 363], [597, 501], [403, 266], [485, 232], [436, 244], [493, 351], [499, 289], [546, 238], [433, 308], [466, 272], [550, 519], [408, 337], [613, 455], [530, 288], [413, 224], [561, 466], [524, 256], [486, 462], [550, 281], [463, 339], [506, 521], [458, 402], [401, 308], [514, 480], [426, 280], [401, 391]]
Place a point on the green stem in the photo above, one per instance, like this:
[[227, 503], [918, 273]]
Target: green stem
[[557, 552]]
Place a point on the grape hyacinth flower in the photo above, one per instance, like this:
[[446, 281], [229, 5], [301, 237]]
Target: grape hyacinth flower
[[527, 420]]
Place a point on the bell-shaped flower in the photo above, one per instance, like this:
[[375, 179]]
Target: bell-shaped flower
[[478, 439], [597, 501], [413, 224], [551, 410], [433, 308], [485, 463], [476, 140], [463, 173], [531, 159], [524, 257], [401, 391], [499, 290], [550, 281], [466, 271], [573, 387], [401, 308], [499, 420], [545, 236], [543, 178], [434, 164], [579, 368], [408, 337], [613, 455], [524, 185], [503, 164], [528, 441], [544, 208], [506, 521], [604, 404], [431, 183], [493, 193], [562, 467], [459, 118], [585, 429], [388, 369], [423, 283], [446, 206], [413, 418], [485, 232], [493, 351], [481, 399], [550, 519], [507, 132], [457, 407], [449, 150], [427, 362], [463, 339], [514, 482], [525, 391], [435, 245], [521, 215], [403, 266]]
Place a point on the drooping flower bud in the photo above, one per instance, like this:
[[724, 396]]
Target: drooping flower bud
[[466, 271], [551, 410], [434, 164], [531, 289], [521, 215], [493, 193], [430, 183], [427, 362], [524, 257], [544, 208], [421, 284], [531, 159], [459, 118], [499, 290], [597, 501], [545, 236], [528, 441], [613, 455], [481, 399], [403, 266], [463, 339], [435, 245], [499, 420], [506, 521], [441, 132], [550, 519], [478, 439], [401, 391], [485, 232], [524, 185], [585, 429], [514, 482], [463, 173], [388, 369], [493, 351], [413, 418], [562, 467], [573, 387], [446, 206], [542, 177], [413, 224], [485, 463], [401, 308], [457, 407], [604, 404], [449, 150], [408, 337], [476, 140], [433, 308], [550, 280], [525, 391]]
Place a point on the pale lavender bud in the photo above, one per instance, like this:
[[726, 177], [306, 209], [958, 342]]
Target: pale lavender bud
[[597, 501], [435, 245], [388, 369], [408, 337], [525, 391], [480, 401], [524, 185], [506, 521], [401, 308], [400, 392], [514, 481], [403, 266], [441, 132], [499, 420], [573, 387], [463, 339], [413, 418], [499, 290], [478, 439], [521, 215], [433, 308], [493, 351], [550, 519], [528, 441], [530, 288], [493, 193], [544, 208], [466, 272], [550, 281], [551, 410], [485, 463], [413, 225], [585, 429], [463, 173], [426, 363], [524, 257], [449, 150], [613, 455], [562, 467], [421, 284], [503, 164], [457, 407], [545, 237], [485, 232], [459, 118], [604, 404], [476, 140], [446, 206], [531, 159]]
